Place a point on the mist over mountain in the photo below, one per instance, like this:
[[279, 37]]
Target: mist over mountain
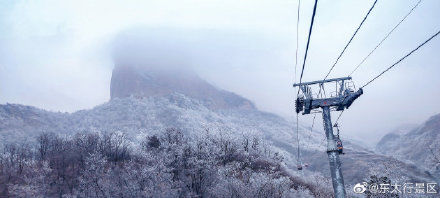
[[145, 82], [157, 62]]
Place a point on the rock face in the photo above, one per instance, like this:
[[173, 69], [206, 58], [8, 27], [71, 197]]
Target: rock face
[[420, 145], [145, 82]]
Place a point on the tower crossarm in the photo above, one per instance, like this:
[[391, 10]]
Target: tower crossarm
[[342, 100], [321, 81]]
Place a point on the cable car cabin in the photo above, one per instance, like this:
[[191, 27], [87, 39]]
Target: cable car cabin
[[301, 166], [339, 146]]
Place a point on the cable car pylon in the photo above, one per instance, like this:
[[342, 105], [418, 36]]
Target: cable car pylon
[[339, 100]]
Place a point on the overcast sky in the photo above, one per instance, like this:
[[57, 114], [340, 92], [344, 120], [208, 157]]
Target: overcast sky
[[56, 55]]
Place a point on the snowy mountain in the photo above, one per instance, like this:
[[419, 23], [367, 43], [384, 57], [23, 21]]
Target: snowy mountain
[[148, 102], [419, 145]]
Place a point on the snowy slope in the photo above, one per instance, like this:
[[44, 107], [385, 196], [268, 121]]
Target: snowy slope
[[138, 117], [142, 116]]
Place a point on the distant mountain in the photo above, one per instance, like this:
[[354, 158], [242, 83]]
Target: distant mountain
[[21, 123], [146, 102], [420, 145], [386, 143]]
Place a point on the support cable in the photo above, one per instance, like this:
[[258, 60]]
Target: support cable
[[308, 42], [313, 123], [336, 122], [297, 31], [389, 33], [297, 138], [359, 27], [401, 59], [296, 65]]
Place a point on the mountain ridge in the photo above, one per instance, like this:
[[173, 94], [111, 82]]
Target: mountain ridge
[[419, 145]]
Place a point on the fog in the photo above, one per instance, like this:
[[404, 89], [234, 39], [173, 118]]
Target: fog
[[59, 55]]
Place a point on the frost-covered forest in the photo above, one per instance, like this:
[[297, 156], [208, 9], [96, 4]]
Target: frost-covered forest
[[168, 164], [171, 146]]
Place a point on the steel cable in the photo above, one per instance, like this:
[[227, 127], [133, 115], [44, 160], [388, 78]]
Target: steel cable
[[401, 59], [389, 33], [351, 39]]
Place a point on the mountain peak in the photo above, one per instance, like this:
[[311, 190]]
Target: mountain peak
[[145, 82]]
